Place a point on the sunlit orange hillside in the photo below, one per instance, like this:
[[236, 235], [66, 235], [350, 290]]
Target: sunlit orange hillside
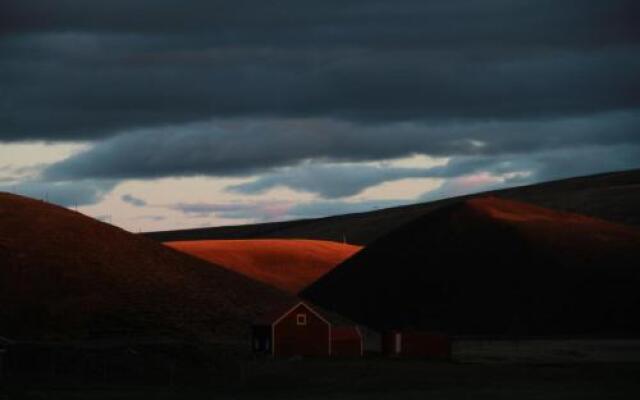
[[289, 264]]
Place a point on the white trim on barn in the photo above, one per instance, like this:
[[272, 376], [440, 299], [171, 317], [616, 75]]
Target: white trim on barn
[[283, 316], [296, 306], [361, 340], [397, 342], [330, 340], [273, 340]]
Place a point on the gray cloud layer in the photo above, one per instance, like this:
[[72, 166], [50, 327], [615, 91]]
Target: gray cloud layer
[[86, 69], [175, 88], [343, 180], [134, 201], [334, 21], [277, 211], [64, 193], [331, 181], [250, 146]]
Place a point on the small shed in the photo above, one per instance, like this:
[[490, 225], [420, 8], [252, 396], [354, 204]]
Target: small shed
[[305, 330], [413, 343]]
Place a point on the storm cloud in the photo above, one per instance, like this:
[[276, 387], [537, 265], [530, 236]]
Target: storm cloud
[[257, 211], [64, 193], [243, 147], [306, 95], [134, 201], [478, 173], [329, 181], [89, 69]]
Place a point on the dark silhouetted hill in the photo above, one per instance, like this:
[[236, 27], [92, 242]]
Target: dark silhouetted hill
[[64, 275], [491, 266]]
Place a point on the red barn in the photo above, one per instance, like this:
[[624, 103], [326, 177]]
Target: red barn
[[302, 330], [409, 343]]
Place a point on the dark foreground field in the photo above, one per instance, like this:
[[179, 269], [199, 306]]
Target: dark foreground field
[[367, 379]]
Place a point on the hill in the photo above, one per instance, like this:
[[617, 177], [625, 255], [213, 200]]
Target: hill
[[612, 196], [66, 276], [287, 264], [490, 266]]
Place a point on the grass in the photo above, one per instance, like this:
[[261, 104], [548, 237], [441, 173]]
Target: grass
[[368, 379]]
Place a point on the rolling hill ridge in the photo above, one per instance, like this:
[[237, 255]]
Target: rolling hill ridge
[[64, 275], [491, 266], [611, 196]]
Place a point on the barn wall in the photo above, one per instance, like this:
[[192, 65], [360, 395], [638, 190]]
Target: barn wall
[[387, 344], [290, 339], [346, 341], [345, 348]]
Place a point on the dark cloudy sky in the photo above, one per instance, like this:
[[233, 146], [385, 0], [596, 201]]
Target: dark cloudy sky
[[166, 113]]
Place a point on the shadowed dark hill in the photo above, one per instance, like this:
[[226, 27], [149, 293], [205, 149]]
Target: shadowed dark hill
[[613, 196], [491, 266], [64, 275]]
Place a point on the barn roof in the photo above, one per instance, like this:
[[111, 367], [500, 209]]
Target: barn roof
[[275, 313]]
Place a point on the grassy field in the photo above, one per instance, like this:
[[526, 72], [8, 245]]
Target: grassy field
[[366, 379]]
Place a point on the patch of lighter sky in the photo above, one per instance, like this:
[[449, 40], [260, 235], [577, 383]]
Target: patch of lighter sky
[[401, 189], [517, 175], [26, 154], [412, 161], [161, 194], [415, 161], [24, 160]]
